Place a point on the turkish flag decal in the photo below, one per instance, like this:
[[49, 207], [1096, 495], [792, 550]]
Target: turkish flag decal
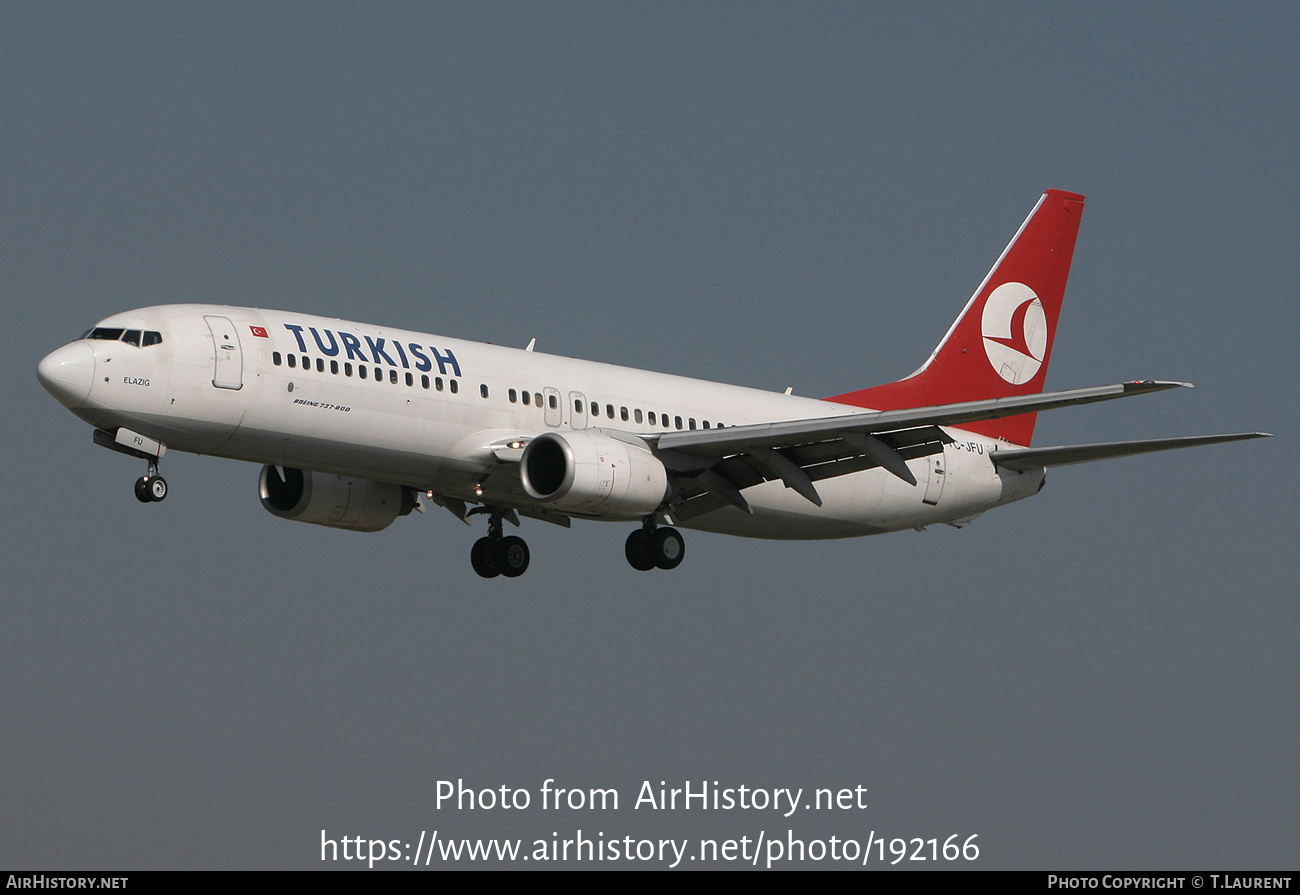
[[260, 332]]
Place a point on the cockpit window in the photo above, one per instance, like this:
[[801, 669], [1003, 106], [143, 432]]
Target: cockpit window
[[130, 336]]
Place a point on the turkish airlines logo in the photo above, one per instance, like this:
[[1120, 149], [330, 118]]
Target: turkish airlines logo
[[1015, 332]]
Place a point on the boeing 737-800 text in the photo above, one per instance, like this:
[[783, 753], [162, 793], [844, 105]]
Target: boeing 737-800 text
[[355, 423]]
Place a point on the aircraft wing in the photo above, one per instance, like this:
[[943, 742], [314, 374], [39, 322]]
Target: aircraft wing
[[711, 467], [719, 442]]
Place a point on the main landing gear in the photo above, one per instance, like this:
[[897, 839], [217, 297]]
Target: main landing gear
[[649, 547], [151, 487], [654, 548], [496, 555]]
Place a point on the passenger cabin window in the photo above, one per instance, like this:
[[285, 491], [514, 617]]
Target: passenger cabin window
[[483, 389], [293, 360], [275, 358], [554, 402]]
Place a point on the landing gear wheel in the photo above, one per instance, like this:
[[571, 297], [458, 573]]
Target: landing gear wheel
[[157, 488], [637, 551], [495, 555], [511, 556], [150, 488], [480, 557], [667, 548]]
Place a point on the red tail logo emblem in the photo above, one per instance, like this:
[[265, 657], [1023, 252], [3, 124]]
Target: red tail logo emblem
[[1015, 332]]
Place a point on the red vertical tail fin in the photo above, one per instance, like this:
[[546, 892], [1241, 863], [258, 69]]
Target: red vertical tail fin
[[1002, 341]]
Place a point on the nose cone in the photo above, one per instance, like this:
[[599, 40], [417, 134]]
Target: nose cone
[[67, 373]]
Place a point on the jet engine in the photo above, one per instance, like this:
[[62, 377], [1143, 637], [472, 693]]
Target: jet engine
[[593, 474], [334, 500]]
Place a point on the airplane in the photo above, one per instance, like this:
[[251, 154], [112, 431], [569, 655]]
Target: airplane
[[354, 424]]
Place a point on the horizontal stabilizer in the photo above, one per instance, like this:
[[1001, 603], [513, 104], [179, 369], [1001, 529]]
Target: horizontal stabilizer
[[1032, 458]]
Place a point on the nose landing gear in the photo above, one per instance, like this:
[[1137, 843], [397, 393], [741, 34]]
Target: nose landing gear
[[151, 487]]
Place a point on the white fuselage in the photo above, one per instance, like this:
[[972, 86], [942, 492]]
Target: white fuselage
[[437, 414]]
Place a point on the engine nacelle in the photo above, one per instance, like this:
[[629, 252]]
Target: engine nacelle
[[593, 474], [334, 500]]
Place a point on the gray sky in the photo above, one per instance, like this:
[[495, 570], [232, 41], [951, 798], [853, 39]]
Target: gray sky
[[803, 195]]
